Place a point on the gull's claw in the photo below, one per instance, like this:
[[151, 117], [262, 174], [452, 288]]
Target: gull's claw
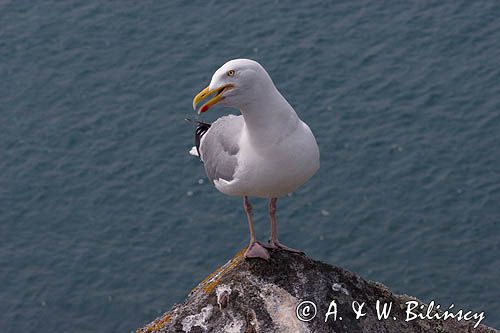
[[256, 250], [280, 247]]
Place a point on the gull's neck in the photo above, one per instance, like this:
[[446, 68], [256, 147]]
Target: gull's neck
[[269, 118]]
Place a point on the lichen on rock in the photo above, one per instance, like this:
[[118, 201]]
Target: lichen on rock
[[255, 296]]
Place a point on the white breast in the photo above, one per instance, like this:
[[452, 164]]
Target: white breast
[[276, 169]]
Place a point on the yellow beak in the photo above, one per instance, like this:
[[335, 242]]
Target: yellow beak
[[206, 93]]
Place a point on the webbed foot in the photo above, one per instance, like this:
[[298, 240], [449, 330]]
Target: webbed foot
[[256, 250], [276, 245]]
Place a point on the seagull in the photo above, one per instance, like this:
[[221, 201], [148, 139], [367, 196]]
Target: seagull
[[266, 152]]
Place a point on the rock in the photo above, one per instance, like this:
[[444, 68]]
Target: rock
[[252, 296]]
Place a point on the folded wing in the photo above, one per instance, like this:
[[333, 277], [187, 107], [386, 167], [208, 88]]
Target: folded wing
[[219, 147]]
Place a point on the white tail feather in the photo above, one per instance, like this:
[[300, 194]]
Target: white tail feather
[[194, 152]]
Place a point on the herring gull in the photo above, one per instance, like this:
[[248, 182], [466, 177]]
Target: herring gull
[[267, 151]]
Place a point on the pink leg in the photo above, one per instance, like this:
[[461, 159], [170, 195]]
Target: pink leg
[[273, 239], [254, 250]]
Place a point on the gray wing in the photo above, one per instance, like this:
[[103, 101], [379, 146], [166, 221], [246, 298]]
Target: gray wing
[[219, 147]]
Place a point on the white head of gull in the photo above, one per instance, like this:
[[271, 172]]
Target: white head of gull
[[266, 152]]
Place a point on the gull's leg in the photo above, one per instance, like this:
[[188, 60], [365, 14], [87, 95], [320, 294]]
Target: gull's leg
[[273, 239], [254, 250]]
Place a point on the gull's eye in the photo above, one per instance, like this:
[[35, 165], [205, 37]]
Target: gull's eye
[[230, 73]]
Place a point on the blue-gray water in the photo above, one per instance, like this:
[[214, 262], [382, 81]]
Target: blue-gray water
[[103, 222]]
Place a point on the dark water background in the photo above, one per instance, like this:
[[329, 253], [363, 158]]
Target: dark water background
[[103, 221]]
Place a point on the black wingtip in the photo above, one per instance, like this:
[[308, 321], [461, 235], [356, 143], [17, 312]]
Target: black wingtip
[[201, 129]]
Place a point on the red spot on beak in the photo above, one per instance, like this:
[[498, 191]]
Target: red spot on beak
[[204, 108]]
